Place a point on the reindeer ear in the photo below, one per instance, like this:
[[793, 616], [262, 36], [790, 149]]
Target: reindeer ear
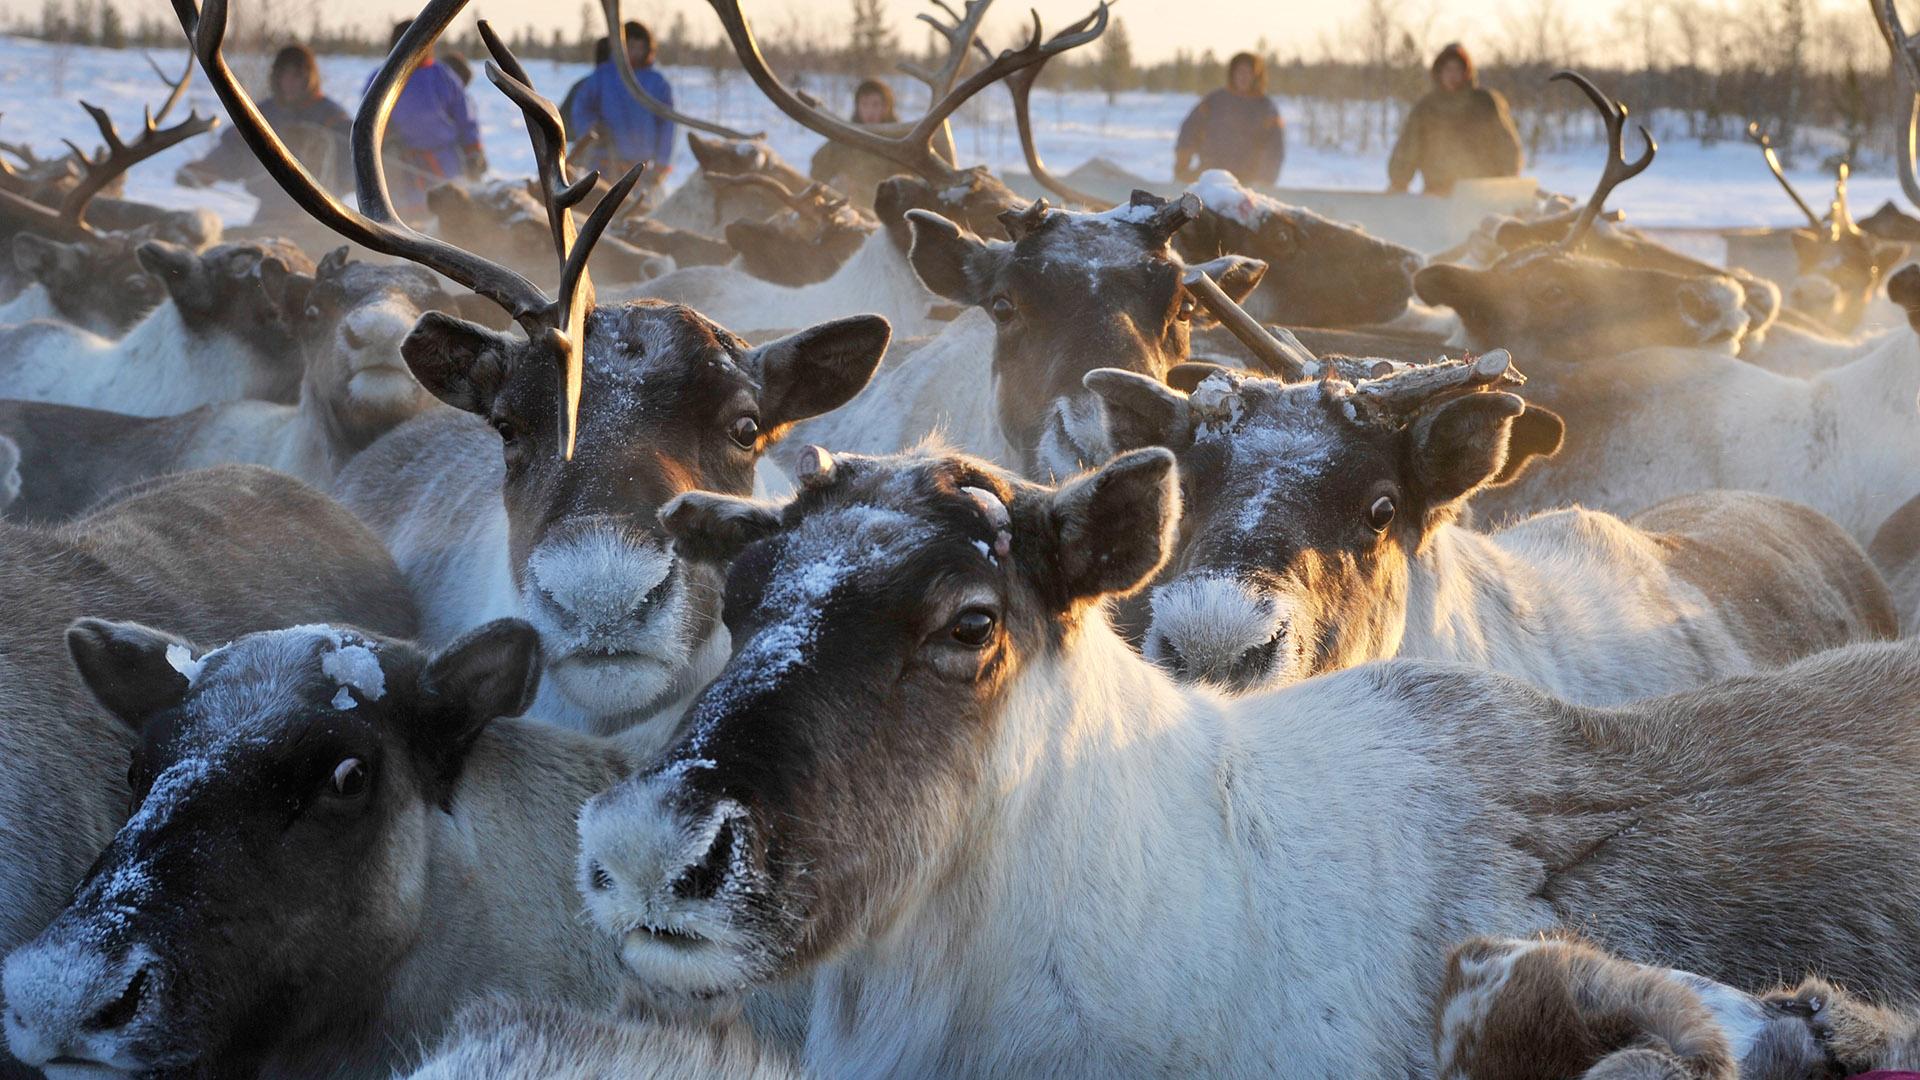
[[1140, 411], [461, 363], [1763, 303], [1112, 529], [1446, 284], [1237, 275], [715, 528], [1807, 246], [133, 670], [1537, 433], [487, 673], [181, 271], [1461, 444], [43, 260], [944, 257], [818, 369], [1888, 253], [286, 287]]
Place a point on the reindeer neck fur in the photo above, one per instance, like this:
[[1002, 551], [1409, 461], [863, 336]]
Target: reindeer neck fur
[[875, 279], [1562, 601], [32, 302], [943, 386], [505, 917], [1135, 841], [163, 366], [1872, 408]]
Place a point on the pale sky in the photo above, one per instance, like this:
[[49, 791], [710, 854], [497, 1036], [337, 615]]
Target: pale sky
[[1593, 30]]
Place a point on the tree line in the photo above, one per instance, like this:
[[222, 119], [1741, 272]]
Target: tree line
[[1816, 79]]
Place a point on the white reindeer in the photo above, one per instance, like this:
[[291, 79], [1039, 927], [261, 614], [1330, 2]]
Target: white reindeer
[[934, 780]]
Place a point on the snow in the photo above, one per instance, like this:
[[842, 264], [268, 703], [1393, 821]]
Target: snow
[[344, 700], [1690, 184], [354, 665], [180, 658]]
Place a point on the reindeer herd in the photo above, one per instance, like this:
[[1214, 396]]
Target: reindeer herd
[[921, 631]]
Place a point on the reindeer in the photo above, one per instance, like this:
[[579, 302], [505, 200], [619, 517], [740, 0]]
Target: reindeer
[[1320, 532], [703, 208], [419, 871], [217, 553], [90, 276], [811, 822], [504, 221], [221, 335], [876, 276], [527, 496], [1068, 293], [355, 389], [1617, 351], [1841, 267], [808, 241], [1558, 1005]]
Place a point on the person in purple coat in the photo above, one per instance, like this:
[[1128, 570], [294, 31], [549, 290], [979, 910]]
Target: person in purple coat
[[431, 137], [628, 132], [1236, 128]]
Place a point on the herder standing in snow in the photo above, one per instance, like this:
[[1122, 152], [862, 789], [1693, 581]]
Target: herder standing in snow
[[1236, 128], [432, 133], [1459, 131], [628, 132]]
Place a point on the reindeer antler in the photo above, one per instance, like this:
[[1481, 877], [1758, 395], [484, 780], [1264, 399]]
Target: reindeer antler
[[1289, 359], [561, 324], [1906, 66], [1404, 393], [913, 150], [617, 39], [1765, 143], [1843, 225], [118, 157], [176, 88], [1020, 86], [1619, 170], [961, 34]]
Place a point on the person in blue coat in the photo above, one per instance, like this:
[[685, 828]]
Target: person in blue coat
[[431, 136], [628, 132]]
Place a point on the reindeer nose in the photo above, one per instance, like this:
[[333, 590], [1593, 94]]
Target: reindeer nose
[[120, 1012], [702, 880]]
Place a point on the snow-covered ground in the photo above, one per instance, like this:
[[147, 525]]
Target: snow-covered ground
[[1689, 186]]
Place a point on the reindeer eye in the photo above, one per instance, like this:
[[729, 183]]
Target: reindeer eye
[[350, 778], [973, 627], [1002, 309], [1186, 309], [1380, 514], [745, 432], [509, 431]]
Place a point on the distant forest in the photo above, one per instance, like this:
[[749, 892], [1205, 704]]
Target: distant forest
[[1815, 78]]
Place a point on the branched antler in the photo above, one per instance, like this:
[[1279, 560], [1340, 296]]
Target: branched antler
[[559, 324], [1020, 85], [176, 88], [617, 39], [117, 157], [914, 150], [1765, 143], [1619, 170], [1906, 68], [961, 34]]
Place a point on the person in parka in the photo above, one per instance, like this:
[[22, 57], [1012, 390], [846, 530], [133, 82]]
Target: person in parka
[[1458, 131]]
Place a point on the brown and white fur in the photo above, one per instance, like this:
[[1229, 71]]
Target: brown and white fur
[[412, 865], [1320, 531], [219, 553], [487, 520], [223, 334], [522, 1040], [1558, 1006], [356, 388], [934, 780]]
